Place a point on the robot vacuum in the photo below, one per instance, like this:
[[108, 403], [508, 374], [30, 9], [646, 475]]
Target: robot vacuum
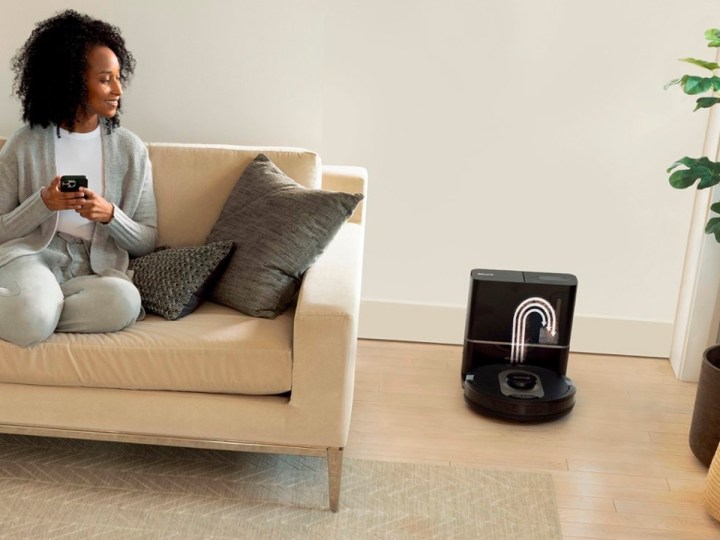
[[516, 347], [530, 394]]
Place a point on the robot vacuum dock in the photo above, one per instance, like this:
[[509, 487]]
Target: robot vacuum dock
[[516, 346]]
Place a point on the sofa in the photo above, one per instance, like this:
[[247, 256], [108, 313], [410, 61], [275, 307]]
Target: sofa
[[216, 378]]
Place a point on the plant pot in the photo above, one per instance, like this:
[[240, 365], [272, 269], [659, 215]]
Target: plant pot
[[705, 427]]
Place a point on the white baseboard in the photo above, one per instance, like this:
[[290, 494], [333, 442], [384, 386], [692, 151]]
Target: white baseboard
[[428, 323]]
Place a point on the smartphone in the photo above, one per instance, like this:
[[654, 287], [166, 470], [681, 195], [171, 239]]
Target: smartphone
[[73, 182]]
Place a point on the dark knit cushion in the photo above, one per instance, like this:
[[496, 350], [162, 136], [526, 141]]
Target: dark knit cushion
[[279, 228], [174, 281]]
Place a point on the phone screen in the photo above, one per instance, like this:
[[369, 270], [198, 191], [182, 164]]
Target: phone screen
[[73, 182]]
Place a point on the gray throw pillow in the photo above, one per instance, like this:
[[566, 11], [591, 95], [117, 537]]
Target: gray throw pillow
[[174, 281], [280, 228]]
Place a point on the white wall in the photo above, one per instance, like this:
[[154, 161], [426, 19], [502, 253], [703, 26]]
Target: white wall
[[517, 134], [219, 71], [523, 135]]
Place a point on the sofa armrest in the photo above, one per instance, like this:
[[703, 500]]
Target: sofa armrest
[[325, 335], [349, 180]]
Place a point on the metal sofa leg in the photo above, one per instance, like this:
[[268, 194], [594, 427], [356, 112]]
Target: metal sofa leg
[[334, 459]]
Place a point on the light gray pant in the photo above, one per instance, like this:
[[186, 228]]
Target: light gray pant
[[55, 291]]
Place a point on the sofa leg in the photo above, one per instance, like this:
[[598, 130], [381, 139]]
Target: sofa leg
[[334, 459]]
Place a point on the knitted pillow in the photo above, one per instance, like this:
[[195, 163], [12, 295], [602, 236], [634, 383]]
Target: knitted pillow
[[173, 281], [279, 228]]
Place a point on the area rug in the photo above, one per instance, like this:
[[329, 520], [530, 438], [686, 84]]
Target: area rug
[[60, 488]]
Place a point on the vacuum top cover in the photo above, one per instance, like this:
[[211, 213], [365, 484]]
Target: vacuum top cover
[[515, 276]]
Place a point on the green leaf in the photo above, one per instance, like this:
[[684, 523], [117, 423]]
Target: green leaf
[[687, 161], [708, 177], [713, 227], [715, 81], [697, 85], [713, 36], [706, 102], [682, 179], [715, 208], [701, 63], [702, 169]]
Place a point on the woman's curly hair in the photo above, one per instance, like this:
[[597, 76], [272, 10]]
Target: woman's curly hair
[[50, 68]]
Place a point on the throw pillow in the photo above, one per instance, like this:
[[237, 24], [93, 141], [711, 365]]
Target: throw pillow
[[279, 228], [174, 281]]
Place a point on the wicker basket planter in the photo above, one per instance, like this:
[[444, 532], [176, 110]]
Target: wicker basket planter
[[712, 488]]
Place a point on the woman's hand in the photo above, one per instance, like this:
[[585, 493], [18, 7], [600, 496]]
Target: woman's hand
[[94, 207], [57, 200], [85, 202]]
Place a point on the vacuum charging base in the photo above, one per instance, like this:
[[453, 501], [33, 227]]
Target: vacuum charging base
[[518, 392], [517, 344]]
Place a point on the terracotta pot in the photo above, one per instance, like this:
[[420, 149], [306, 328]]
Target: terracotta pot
[[705, 427]]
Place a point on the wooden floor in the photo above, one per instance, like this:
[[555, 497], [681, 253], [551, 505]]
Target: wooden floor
[[620, 460]]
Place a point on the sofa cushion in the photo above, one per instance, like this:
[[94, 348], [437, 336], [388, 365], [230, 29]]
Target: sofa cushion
[[215, 349], [280, 228], [174, 281]]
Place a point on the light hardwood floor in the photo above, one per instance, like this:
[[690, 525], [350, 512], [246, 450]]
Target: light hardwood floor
[[620, 461]]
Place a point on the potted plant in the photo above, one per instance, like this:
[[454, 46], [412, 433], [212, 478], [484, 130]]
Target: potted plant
[[685, 172], [701, 169]]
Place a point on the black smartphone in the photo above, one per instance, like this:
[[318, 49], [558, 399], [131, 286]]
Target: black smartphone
[[73, 182]]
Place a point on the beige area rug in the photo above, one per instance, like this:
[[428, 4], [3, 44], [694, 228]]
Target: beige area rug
[[58, 488]]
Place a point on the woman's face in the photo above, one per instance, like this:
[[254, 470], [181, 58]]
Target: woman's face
[[103, 84]]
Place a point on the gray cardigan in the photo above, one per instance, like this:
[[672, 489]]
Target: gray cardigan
[[27, 164]]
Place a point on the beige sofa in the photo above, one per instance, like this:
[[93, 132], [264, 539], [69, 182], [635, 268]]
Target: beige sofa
[[215, 379]]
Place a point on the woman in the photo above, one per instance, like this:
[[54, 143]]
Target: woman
[[64, 255]]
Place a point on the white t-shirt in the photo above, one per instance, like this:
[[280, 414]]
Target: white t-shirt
[[79, 153]]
